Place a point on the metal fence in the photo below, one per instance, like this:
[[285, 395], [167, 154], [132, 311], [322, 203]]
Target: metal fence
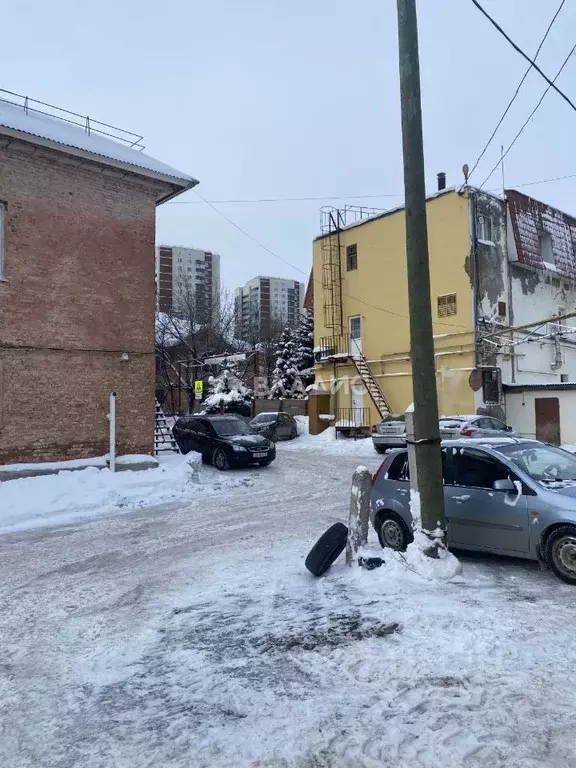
[[330, 346]]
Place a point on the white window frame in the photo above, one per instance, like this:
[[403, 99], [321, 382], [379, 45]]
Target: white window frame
[[483, 223]]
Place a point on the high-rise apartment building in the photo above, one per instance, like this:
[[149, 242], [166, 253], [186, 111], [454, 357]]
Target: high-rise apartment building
[[263, 301], [186, 279]]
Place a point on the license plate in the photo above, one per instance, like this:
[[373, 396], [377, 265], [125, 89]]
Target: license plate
[[260, 455]]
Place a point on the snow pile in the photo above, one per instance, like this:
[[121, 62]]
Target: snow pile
[[327, 442], [443, 565], [66, 497]]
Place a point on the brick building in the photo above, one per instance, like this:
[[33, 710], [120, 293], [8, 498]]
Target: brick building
[[77, 288]]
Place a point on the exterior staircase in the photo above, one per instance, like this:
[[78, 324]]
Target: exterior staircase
[[163, 440], [371, 385]]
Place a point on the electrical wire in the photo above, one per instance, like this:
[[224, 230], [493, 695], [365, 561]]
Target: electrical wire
[[318, 282], [525, 55], [348, 197], [517, 91], [530, 116]]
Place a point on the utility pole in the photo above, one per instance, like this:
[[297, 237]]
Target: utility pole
[[428, 457]]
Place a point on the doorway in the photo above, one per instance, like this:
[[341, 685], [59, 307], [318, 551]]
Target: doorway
[[547, 412], [357, 405], [355, 329]]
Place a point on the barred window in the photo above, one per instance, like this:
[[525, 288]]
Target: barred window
[[447, 305]]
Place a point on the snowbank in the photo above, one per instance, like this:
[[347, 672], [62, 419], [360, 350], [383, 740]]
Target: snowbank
[[67, 497], [326, 441]]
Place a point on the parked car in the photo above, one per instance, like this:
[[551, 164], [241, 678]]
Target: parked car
[[454, 427], [225, 441], [275, 426], [511, 497], [391, 432]]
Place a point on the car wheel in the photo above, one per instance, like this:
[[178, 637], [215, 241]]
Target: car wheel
[[220, 460], [561, 553], [393, 533], [327, 549], [380, 448], [294, 434]]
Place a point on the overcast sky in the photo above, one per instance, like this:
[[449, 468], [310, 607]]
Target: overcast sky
[[299, 98]]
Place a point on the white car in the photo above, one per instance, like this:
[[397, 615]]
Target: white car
[[391, 432]]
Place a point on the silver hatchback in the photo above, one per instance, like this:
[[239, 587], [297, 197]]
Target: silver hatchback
[[506, 496]]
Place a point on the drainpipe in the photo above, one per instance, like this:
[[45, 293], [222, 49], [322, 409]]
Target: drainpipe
[[112, 420], [474, 265]]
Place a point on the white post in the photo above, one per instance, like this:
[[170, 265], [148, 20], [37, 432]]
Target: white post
[[411, 447], [359, 513], [112, 420]]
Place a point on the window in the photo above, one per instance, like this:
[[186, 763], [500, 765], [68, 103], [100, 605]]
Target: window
[[546, 250], [564, 378], [501, 309], [399, 469], [484, 228], [447, 305], [475, 469], [351, 258]]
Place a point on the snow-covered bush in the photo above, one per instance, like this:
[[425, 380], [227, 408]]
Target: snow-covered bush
[[227, 393]]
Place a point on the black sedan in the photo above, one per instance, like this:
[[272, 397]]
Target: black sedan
[[225, 441], [275, 425]]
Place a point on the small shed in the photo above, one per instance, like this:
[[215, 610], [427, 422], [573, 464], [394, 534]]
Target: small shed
[[543, 411]]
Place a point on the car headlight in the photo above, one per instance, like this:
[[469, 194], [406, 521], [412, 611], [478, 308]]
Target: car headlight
[[238, 448]]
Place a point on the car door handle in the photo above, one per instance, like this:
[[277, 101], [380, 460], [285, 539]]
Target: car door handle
[[401, 491], [460, 499]]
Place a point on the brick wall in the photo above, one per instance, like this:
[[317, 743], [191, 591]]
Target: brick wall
[[78, 293]]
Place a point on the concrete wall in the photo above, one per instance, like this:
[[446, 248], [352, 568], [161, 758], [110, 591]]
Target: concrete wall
[[520, 412], [293, 407], [78, 295]]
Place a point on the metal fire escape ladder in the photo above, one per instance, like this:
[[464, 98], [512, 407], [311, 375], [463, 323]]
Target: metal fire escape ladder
[[371, 384], [163, 440]]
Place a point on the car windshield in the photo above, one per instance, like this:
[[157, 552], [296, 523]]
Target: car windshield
[[228, 427], [544, 463], [451, 423], [264, 418]]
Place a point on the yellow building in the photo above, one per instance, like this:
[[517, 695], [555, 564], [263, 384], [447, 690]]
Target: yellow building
[[362, 335]]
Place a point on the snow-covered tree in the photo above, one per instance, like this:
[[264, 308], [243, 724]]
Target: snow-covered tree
[[226, 392], [304, 353], [285, 378]]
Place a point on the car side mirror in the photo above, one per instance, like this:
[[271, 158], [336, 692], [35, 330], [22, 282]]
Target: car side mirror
[[505, 485], [508, 429]]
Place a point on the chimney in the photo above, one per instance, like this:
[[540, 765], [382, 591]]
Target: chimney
[[441, 181]]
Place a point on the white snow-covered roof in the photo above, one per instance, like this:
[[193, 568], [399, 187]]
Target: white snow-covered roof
[[49, 130]]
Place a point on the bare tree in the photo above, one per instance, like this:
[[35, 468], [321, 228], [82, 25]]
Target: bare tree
[[193, 330]]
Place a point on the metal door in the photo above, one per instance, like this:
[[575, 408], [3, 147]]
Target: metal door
[[355, 328], [547, 413]]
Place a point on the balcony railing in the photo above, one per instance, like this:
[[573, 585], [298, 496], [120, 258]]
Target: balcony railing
[[333, 347], [352, 419]]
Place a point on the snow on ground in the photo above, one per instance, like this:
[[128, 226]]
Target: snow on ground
[[327, 442], [68, 496], [190, 634]]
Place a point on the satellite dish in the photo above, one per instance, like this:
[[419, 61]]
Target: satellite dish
[[465, 171]]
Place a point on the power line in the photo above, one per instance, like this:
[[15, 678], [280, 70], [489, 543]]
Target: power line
[[525, 55], [517, 91], [347, 197], [530, 116], [293, 266]]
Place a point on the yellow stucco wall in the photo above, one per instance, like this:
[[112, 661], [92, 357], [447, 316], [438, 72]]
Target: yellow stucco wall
[[377, 291]]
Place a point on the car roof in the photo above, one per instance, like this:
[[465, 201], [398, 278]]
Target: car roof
[[463, 417], [489, 442]]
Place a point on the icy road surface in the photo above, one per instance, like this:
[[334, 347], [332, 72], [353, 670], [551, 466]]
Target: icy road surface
[[192, 637]]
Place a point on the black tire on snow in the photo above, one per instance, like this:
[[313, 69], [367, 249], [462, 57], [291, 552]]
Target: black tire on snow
[[327, 549], [559, 539]]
